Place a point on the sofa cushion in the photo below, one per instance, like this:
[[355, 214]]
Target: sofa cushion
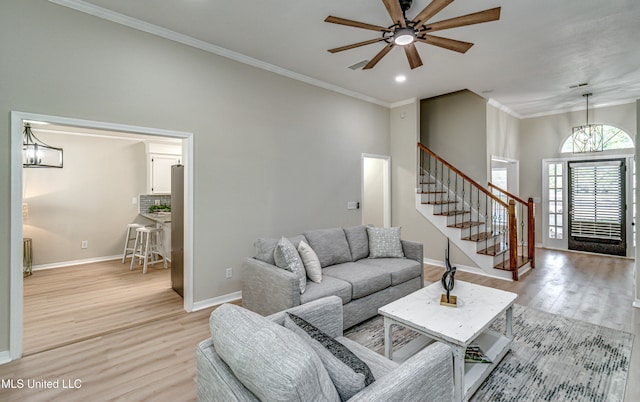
[[264, 248], [348, 372], [330, 286], [401, 269], [358, 242], [385, 243], [330, 245], [364, 279], [271, 361], [311, 262], [286, 257]]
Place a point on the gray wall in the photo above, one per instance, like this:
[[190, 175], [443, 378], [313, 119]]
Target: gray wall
[[454, 126], [404, 138], [89, 199], [273, 156]]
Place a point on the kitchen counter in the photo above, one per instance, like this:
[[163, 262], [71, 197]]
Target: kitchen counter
[[158, 217]]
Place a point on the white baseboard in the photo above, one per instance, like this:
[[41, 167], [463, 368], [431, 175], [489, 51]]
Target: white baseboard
[[465, 268], [217, 300], [5, 357], [636, 303], [76, 262]]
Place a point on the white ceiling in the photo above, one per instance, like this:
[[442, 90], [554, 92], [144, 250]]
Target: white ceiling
[[526, 61]]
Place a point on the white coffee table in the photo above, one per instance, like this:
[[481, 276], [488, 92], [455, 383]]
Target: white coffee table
[[458, 327]]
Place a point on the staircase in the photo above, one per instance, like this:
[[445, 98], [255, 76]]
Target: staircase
[[494, 228]]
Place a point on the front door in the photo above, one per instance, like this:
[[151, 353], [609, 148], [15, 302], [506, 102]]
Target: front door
[[597, 206]]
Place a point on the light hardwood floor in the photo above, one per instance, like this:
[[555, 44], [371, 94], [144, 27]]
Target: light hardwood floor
[[587, 287], [67, 305], [155, 360]]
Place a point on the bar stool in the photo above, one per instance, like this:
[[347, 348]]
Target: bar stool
[[149, 244], [131, 227]]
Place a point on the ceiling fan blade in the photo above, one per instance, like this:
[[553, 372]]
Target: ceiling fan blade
[[412, 55], [451, 44], [429, 11], [351, 23], [379, 56], [492, 14], [395, 12], [366, 42]]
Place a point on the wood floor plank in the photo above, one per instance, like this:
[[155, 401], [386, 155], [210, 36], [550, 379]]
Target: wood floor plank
[[154, 359]]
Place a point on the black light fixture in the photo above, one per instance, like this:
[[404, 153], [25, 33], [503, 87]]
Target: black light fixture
[[588, 138], [37, 154]]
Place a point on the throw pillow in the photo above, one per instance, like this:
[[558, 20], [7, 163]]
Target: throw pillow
[[310, 261], [348, 372], [330, 245], [286, 257], [385, 243], [358, 241], [264, 248], [271, 361]]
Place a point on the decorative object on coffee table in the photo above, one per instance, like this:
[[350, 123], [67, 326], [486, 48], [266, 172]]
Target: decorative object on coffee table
[[448, 282]]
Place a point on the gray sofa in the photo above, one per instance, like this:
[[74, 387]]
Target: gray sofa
[[364, 284], [250, 358]]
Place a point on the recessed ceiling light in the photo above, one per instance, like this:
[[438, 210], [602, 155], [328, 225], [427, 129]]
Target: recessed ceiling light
[[401, 78]]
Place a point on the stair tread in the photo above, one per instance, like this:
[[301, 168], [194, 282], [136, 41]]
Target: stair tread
[[432, 192], [520, 261], [494, 250], [466, 224], [478, 237], [439, 202], [452, 213]]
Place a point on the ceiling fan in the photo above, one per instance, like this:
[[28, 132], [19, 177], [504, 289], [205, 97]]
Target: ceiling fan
[[405, 32]]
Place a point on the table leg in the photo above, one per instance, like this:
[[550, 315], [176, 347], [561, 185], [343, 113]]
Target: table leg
[[388, 340], [458, 372], [509, 329]]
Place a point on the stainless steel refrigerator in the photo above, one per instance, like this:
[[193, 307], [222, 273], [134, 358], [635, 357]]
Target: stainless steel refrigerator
[[177, 228]]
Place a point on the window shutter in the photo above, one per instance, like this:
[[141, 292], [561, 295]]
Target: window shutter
[[596, 199]]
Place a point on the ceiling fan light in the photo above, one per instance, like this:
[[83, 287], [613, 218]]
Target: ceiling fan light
[[404, 36]]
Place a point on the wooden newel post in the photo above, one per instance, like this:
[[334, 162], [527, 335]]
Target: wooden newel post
[[513, 240], [531, 233]]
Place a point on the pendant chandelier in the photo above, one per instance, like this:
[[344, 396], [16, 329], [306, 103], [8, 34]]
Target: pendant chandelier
[[588, 138], [37, 154]]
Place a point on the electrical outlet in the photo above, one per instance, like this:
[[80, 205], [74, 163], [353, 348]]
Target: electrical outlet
[[84, 244], [229, 273]]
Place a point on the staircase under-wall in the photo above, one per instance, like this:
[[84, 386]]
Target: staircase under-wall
[[491, 226]]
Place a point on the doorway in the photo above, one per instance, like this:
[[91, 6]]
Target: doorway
[[376, 190], [505, 174], [597, 206], [17, 121]]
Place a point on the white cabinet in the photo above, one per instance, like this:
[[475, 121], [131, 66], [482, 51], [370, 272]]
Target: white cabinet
[[160, 157], [160, 172]]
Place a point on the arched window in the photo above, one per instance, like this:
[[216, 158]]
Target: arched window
[[593, 139]]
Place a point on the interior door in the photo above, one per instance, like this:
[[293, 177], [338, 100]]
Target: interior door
[[597, 207]]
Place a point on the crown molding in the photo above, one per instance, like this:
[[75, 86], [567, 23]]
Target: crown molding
[[504, 108], [143, 26], [403, 103]]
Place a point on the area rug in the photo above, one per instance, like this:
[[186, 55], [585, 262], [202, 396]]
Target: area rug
[[552, 358]]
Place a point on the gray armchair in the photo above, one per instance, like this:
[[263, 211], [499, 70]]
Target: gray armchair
[[224, 374]]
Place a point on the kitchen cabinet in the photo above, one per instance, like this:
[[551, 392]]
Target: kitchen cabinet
[[160, 157], [160, 172]]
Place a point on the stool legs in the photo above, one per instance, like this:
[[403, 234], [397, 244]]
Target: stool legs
[[128, 240], [148, 244]]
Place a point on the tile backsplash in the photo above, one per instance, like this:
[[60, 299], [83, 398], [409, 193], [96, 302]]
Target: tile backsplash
[[147, 200]]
